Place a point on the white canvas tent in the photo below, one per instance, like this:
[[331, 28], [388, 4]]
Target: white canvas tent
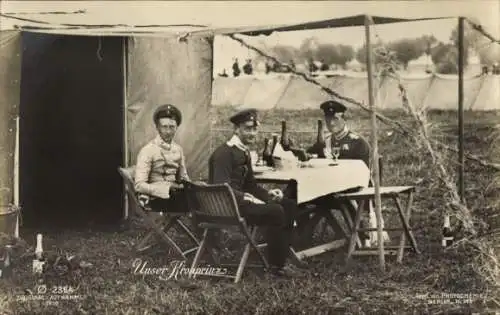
[[133, 68]]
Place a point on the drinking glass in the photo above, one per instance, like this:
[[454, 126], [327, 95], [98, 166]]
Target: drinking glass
[[336, 153]]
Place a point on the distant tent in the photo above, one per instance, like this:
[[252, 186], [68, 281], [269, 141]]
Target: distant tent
[[293, 92], [421, 64], [354, 64]]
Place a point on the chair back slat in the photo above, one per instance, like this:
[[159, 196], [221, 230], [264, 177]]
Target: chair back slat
[[213, 201], [128, 178]]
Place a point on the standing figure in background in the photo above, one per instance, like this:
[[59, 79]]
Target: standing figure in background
[[247, 68], [312, 66], [161, 167], [324, 66], [268, 67], [236, 68]]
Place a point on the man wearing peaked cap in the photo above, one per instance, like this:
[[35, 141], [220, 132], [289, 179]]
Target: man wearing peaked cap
[[246, 116], [161, 167], [168, 111], [351, 145], [332, 107], [231, 163]]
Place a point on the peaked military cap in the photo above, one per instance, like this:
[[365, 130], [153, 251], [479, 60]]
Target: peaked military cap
[[168, 111], [245, 116], [330, 108]]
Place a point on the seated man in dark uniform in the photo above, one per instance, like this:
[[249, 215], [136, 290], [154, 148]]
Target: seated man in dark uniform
[[351, 145], [161, 167], [230, 163]]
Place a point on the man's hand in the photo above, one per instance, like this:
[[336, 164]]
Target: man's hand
[[276, 194], [252, 199], [248, 197], [163, 193]]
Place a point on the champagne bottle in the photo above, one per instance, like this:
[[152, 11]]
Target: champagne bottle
[[320, 138], [6, 270], [39, 260], [285, 141], [447, 232], [266, 153], [319, 146]]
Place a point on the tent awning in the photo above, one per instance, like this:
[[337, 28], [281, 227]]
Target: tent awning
[[348, 21], [88, 26]]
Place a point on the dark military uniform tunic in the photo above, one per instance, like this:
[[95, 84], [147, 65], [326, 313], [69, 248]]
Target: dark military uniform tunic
[[352, 147], [232, 164]]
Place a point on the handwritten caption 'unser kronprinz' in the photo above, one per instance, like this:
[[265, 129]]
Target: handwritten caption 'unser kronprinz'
[[176, 270]]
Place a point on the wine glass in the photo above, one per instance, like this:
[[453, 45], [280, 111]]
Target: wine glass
[[336, 153]]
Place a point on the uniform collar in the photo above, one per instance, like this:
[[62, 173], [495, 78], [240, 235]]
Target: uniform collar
[[160, 142], [341, 134], [235, 141]]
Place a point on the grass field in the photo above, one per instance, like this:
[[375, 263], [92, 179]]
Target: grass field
[[329, 287]]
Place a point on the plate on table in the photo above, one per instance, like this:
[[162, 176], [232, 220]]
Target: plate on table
[[261, 169]]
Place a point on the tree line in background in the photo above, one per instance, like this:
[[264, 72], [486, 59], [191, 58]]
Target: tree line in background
[[443, 55]]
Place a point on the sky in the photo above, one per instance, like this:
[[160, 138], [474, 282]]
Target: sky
[[246, 13]]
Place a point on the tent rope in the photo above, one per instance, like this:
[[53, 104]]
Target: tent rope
[[50, 12], [23, 19], [480, 29]]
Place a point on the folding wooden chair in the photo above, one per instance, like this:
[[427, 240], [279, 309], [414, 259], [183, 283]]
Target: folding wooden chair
[[215, 207], [167, 221]]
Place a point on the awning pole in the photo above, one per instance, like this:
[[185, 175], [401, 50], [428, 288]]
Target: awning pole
[[374, 145], [16, 177], [125, 125], [461, 56]]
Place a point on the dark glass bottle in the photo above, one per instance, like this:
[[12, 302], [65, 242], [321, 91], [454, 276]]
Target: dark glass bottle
[[6, 270], [267, 156], [319, 146], [285, 139], [448, 236]]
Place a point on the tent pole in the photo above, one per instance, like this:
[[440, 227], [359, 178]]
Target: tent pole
[[125, 125], [16, 177], [374, 151], [461, 56]]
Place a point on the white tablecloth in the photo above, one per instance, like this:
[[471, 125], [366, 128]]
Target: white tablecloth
[[323, 179]]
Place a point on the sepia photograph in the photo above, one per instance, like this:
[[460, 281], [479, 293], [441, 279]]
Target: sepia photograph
[[250, 157]]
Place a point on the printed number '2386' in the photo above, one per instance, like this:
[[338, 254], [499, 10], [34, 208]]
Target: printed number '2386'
[[58, 289]]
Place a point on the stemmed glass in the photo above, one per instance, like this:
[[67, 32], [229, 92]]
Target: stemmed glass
[[336, 153]]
